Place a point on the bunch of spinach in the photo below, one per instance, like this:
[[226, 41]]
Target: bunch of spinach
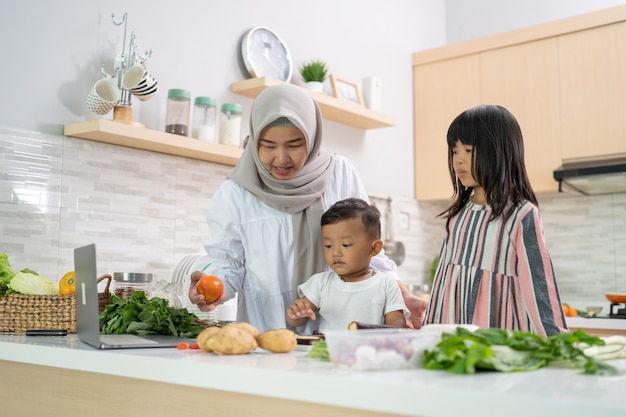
[[465, 352], [140, 315]]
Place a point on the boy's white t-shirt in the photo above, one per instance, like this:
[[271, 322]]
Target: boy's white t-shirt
[[339, 303]]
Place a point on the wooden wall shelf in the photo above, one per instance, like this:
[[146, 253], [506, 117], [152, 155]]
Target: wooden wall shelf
[[332, 108], [118, 133], [123, 134]]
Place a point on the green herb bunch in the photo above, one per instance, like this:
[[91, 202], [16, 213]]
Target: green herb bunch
[[465, 352], [314, 71], [139, 315]]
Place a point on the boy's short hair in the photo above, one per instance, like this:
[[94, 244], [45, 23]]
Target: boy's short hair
[[351, 208]]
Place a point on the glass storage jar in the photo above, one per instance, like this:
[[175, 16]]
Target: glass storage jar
[[177, 112], [126, 283], [230, 124], [204, 115]]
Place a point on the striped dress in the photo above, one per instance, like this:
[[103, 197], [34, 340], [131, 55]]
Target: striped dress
[[496, 274]]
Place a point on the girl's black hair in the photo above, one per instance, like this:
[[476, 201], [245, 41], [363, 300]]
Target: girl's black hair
[[351, 208], [497, 160]]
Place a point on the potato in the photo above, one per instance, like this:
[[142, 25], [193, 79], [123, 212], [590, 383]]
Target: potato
[[230, 340], [205, 335], [247, 327], [277, 341]]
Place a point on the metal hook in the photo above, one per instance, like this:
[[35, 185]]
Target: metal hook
[[123, 19], [125, 22], [143, 56], [106, 74]]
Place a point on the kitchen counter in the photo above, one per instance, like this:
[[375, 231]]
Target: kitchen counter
[[61, 376], [598, 326]]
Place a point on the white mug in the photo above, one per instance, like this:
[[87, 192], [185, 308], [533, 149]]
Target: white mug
[[140, 82], [103, 96]]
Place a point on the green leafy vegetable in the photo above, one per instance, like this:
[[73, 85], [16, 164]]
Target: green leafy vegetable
[[33, 284], [319, 350], [433, 269], [139, 315], [6, 274], [465, 352]]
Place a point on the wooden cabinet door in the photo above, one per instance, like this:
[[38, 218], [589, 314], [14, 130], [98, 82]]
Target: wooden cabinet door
[[592, 69], [524, 79], [442, 90]]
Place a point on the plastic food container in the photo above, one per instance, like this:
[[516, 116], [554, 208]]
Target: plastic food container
[[204, 117], [177, 112], [230, 124], [126, 283], [379, 349]]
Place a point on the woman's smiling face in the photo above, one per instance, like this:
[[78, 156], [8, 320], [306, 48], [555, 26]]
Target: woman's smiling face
[[282, 151]]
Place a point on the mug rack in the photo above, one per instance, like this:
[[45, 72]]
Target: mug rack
[[126, 59]]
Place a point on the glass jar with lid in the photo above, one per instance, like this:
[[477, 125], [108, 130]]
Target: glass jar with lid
[[177, 112], [230, 124], [126, 283], [204, 115]]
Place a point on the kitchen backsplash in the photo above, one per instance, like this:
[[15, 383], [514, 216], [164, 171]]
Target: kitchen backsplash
[[146, 211]]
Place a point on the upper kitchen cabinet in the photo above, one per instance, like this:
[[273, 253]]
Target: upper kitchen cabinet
[[503, 76], [593, 92], [441, 91], [508, 75], [565, 82]]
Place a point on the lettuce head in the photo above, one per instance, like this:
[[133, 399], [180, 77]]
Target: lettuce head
[[6, 272], [32, 284]]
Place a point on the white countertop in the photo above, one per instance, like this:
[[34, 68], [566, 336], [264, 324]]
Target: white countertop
[[549, 391], [596, 323]]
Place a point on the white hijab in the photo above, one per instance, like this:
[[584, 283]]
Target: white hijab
[[301, 195]]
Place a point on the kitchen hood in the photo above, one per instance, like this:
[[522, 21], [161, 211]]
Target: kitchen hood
[[593, 177]]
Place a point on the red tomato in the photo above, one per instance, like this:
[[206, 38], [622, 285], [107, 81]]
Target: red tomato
[[211, 287]]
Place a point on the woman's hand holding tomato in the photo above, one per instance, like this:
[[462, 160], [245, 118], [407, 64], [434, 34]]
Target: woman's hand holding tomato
[[211, 287], [199, 298]]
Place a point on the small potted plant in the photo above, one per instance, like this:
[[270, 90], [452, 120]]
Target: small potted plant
[[314, 73]]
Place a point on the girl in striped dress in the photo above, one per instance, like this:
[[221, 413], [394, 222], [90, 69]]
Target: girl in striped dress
[[494, 268]]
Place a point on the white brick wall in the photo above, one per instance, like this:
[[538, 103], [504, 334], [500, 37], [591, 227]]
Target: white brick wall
[[146, 211]]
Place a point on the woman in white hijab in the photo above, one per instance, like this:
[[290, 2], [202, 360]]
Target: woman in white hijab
[[264, 220]]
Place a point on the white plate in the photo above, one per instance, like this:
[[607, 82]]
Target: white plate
[[182, 268]]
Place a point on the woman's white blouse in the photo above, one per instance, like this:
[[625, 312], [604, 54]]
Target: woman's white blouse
[[250, 247]]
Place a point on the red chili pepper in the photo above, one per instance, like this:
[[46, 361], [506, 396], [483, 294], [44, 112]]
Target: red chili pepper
[[182, 346], [194, 346]]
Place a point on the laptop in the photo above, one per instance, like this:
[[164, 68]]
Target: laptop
[[88, 316]]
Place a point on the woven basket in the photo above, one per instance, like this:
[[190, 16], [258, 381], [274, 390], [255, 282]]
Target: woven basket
[[19, 312]]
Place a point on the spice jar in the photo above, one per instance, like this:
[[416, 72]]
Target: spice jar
[[126, 283], [204, 114], [230, 124], [177, 112]]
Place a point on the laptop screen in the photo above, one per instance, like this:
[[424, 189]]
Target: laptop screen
[[87, 314]]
